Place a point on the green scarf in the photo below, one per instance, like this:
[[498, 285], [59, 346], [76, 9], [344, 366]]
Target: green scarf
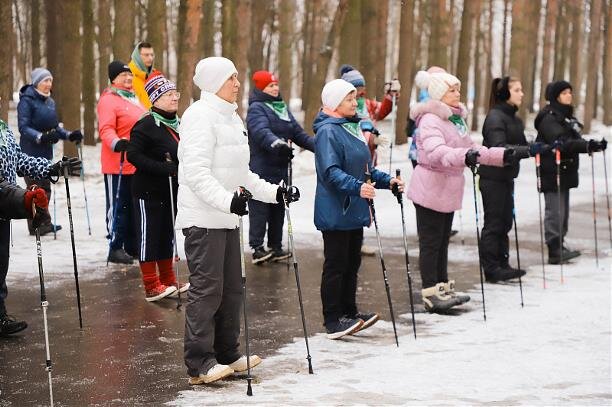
[[126, 94], [459, 123], [279, 107], [171, 123], [353, 129], [361, 108]]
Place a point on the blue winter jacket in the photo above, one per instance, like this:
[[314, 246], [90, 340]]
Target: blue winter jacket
[[341, 159], [36, 114], [264, 128]]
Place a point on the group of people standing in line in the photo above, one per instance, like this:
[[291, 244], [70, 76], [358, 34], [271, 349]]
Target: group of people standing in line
[[200, 173]]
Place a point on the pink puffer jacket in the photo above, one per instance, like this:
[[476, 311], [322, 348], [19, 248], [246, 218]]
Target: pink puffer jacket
[[437, 182]]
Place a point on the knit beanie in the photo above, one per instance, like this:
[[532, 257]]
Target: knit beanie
[[263, 79], [115, 68], [212, 72], [350, 74], [157, 85], [554, 89], [436, 83], [40, 74], [334, 92]]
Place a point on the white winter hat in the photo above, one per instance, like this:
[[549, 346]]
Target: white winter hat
[[436, 83], [212, 72], [334, 92]]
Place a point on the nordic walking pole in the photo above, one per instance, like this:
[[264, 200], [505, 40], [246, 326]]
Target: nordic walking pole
[[289, 184], [516, 245], [291, 190], [80, 150], [115, 204], [400, 201], [44, 304], [247, 194], [178, 297], [607, 197], [594, 210], [461, 226], [74, 259], [474, 169], [368, 179], [539, 185], [393, 117], [558, 164]]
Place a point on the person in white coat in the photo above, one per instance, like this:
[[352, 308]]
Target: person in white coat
[[213, 158]]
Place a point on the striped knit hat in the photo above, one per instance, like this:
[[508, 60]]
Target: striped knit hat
[[157, 85]]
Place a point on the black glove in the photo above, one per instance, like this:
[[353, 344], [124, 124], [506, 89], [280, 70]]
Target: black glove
[[121, 145], [595, 146], [239, 202], [282, 149], [49, 137], [513, 155], [604, 144], [291, 194], [171, 167], [73, 165], [538, 148], [558, 145], [471, 158], [75, 136]]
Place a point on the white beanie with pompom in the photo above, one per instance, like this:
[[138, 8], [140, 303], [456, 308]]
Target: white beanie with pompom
[[436, 83], [334, 92]]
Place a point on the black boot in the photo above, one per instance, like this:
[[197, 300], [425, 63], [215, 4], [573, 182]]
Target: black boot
[[556, 257], [9, 325], [503, 274], [436, 300], [279, 254], [120, 256], [260, 255]]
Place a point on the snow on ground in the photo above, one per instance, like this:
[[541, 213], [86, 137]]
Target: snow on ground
[[554, 351]]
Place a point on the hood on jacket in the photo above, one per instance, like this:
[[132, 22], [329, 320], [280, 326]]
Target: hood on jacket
[[29, 91], [260, 96], [322, 119], [440, 109]]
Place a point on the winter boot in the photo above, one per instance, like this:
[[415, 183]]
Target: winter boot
[[217, 372], [570, 254], [261, 255], [449, 289], [119, 256], [368, 318], [240, 365], [435, 299], [503, 274], [9, 325], [279, 254], [343, 326]]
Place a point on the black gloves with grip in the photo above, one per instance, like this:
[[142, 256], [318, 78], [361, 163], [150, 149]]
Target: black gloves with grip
[[471, 158], [282, 149], [121, 145], [75, 136], [595, 146], [287, 195], [49, 137], [239, 202], [72, 164]]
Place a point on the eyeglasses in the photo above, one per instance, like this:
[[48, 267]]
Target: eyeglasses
[[172, 95]]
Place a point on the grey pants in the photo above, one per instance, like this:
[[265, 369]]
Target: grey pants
[[551, 216], [214, 300]]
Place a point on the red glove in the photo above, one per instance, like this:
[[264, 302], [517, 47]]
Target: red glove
[[37, 196]]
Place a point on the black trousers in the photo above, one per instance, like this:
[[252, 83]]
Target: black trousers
[[5, 240], [498, 204], [342, 251], [45, 217], [122, 230], [434, 230], [262, 214], [154, 227]]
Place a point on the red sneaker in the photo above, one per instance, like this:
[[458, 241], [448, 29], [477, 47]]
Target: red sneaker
[[159, 292]]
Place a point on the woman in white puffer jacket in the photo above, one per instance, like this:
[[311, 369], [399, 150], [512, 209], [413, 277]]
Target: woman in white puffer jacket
[[213, 158]]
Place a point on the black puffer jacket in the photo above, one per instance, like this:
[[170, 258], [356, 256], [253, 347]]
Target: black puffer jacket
[[556, 122], [502, 128], [11, 201]]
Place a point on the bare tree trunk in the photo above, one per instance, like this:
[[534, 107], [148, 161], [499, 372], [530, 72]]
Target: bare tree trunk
[[323, 59], [187, 53], [206, 38], [307, 38], [243, 11], [519, 43], [285, 45], [607, 66], [438, 40], [381, 49], [420, 35], [51, 34], [465, 45], [547, 48], [35, 34], [488, 49], [561, 43], [69, 75], [576, 57], [405, 68], [367, 65], [104, 42], [156, 31], [21, 43], [228, 28], [259, 16], [595, 49], [504, 65], [88, 84], [123, 34], [6, 62], [478, 99], [351, 30], [534, 9]]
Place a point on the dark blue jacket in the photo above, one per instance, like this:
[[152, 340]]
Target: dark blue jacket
[[264, 128], [341, 160], [36, 114]]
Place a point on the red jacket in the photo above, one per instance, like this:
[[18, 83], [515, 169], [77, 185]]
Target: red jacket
[[377, 111], [116, 117]]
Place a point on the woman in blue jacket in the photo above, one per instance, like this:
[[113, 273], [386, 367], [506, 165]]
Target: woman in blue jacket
[[270, 126], [40, 130], [342, 159]]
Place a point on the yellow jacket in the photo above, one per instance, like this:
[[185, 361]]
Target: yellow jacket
[[140, 77]]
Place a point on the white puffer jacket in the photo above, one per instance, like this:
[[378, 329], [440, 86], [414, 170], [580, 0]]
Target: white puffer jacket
[[213, 158]]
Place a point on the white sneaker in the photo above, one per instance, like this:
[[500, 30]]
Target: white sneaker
[[184, 287], [241, 364], [217, 372], [159, 292], [368, 250]]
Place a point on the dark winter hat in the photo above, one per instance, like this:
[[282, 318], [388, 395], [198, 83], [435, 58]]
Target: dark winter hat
[[115, 68], [554, 89], [261, 79], [40, 74], [350, 74], [157, 85]]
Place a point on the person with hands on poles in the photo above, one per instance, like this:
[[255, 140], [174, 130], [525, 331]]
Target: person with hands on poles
[[213, 156], [444, 149], [118, 110], [271, 127], [40, 129], [152, 150], [341, 212]]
